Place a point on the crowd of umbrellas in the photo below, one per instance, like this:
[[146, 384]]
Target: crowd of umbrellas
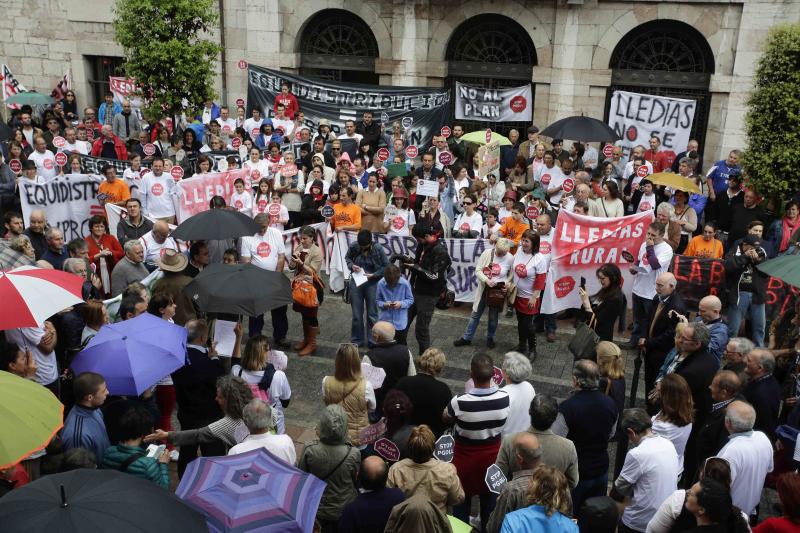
[[245, 492]]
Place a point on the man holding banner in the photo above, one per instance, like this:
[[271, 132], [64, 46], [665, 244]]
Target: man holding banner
[[654, 258]]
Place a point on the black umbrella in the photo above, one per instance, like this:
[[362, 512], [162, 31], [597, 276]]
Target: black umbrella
[[215, 224], [239, 290], [96, 500], [580, 128]]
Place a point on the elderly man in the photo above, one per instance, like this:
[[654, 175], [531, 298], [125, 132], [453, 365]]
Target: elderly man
[[582, 194], [56, 251], [257, 416], [725, 388], [749, 454], [154, 241], [90, 288], [109, 145], [735, 352], [134, 226], [654, 258], [370, 511], [664, 214], [130, 268], [709, 313], [659, 337], [557, 451], [37, 223], [173, 282], [126, 125], [392, 357], [763, 391], [514, 494], [44, 159], [588, 418]]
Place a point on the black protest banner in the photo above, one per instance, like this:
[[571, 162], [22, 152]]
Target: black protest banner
[[337, 101], [95, 165]]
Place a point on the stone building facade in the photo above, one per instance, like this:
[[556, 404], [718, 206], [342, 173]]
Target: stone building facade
[[575, 52]]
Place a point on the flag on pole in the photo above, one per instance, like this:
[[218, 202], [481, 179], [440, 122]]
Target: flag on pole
[[10, 85], [64, 85]]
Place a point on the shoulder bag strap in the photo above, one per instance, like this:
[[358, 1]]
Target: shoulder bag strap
[[129, 461], [340, 463]]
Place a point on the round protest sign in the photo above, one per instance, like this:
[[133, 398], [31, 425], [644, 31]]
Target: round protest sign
[[408, 122], [445, 158], [411, 152], [15, 165], [243, 152], [384, 117], [61, 159], [48, 164], [255, 174], [144, 171], [382, 154], [546, 179], [518, 104], [149, 149], [327, 211], [497, 375], [289, 170], [445, 448], [157, 189], [642, 171], [240, 102], [274, 209], [488, 136], [176, 172], [544, 247], [59, 141], [608, 150], [390, 211], [627, 256], [568, 185], [387, 449], [236, 142], [226, 129], [242, 64], [254, 132], [263, 249], [446, 131], [531, 212]]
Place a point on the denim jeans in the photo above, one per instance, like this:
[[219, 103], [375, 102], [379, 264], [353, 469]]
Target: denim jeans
[[588, 488], [757, 317], [361, 298], [641, 315], [475, 318]]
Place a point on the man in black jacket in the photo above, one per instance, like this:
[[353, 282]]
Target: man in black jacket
[[387, 354], [369, 130], [712, 436], [428, 280], [763, 391], [747, 288], [660, 333]]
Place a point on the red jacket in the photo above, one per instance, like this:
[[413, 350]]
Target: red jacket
[[119, 148]]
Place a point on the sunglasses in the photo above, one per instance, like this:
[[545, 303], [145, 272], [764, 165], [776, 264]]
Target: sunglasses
[[467, 203]]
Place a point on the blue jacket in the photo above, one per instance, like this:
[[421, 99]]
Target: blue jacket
[[533, 519], [400, 293], [85, 428], [101, 112], [719, 337], [719, 173], [372, 263]]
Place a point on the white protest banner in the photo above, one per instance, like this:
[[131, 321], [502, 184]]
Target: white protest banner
[[636, 117], [583, 244], [125, 89], [68, 202], [10, 86], [488, 158], [513, 104]]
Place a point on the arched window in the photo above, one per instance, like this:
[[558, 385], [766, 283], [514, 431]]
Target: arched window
[[665, 58], [337, 45], [493, 52]]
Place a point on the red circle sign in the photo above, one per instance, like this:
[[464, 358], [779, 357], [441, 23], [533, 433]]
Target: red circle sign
[[176, 172], [227, 129], [608, 150], [90, 134], [642, 171], [518, 104], [144, 171], [521, 271], [242, 64], [61, 159], [48, 164], [263, 249], [445, 132], [568, 185], [398, 223], [544, 247], [546, 179], [240, 102], [495, 269], [445, 158], [412, 151], [382, 154], [236, 142], [59, 141], [289, 170], [262, 205], [255, 174], [644, 206], [157, 189], [15, 165], [274, 209], [488, 136], [149, 149], [563, 286], [254, 132], [532, 212]]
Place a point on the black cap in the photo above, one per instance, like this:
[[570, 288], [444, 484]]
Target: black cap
[[752, 240], [598, 514], [28, 164], [558, 141], [364, 237], [533, 129]]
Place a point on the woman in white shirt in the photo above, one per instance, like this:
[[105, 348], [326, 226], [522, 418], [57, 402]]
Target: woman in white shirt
[[469, 224], [530, 271], [517, 370], [290, 183], [241, 200], [674, 421], [398, 219], [257, 360], [259, 168], [203, 165], [262, 196]]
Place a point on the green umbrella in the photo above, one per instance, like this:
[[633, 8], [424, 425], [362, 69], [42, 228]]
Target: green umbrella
[[29, 98], [30, 415], [785, 267], [479, 137]]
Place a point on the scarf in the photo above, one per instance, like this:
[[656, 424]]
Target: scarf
[[788, 229]]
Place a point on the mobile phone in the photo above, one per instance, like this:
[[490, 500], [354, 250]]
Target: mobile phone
[[583, 283], [155, 450], [93, 267]]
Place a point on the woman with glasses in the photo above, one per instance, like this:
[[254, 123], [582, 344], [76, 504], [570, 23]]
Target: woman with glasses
[[348, 387], [469, 224], [70, 105], [606, 303]]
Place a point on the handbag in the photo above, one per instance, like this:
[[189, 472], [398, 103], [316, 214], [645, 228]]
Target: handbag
[[346, 292], [495, 296], [304, 292], [585, 340]]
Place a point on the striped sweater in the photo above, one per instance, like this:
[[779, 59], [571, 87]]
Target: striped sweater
[[144, 467], [480, 415]]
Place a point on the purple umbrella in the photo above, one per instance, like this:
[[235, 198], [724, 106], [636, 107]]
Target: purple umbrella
[[135, 354], [252, 491]]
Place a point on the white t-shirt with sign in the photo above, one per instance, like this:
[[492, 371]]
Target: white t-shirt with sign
[[644, 283], [261, 169], [551, 178], [242, 202], [156, 195], [29, 339], [134, 180], [526, 268], [400, 222], [45, 163], [76, 147], [154, 250], [546, 246], [283, 214], [260, 204], [250, 124], [227, 123], [500, 266], [264, 250], [466, 223], [647, 203]]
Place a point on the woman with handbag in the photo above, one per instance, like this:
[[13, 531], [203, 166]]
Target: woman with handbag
[[493, 271], [530, 272], [603, 307], [307, 288]]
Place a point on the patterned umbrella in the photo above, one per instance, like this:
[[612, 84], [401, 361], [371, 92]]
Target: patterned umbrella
[[252, 491], [31, 295]]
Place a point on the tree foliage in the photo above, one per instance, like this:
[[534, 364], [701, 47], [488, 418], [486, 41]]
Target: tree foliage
[[167, 52], [773, 118]]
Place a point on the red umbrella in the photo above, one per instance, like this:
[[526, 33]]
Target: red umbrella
[[31, 295]]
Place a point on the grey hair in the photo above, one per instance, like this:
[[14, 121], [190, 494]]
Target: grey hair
[[51, 231], [517, 367], [18, 243], [765, 359], [129, 244], [636, 419], [743, 345], [543, 411], [257, 415], [586, 374], [195, 329], [70, 265], [666, 208], [529, 456], [743, 421], [700, 333]]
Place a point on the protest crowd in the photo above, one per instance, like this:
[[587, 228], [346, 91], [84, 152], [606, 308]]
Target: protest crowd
[[397, 449]]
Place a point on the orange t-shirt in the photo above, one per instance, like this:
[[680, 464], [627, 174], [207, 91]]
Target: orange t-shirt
[[346, 215], [699, 247], [513, 230], [117, 191]]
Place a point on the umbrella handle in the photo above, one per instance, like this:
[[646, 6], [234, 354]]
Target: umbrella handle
[[63, 492]]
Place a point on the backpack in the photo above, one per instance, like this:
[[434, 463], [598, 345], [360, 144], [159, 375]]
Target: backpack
[[260, 390]]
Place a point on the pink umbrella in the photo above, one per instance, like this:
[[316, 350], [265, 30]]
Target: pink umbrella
[[31, 295]]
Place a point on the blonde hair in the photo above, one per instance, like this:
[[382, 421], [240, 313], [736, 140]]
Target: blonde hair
[[609, 359], [347, 366], [549, 489], [421, 443], [255, 353], [432, 361]]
